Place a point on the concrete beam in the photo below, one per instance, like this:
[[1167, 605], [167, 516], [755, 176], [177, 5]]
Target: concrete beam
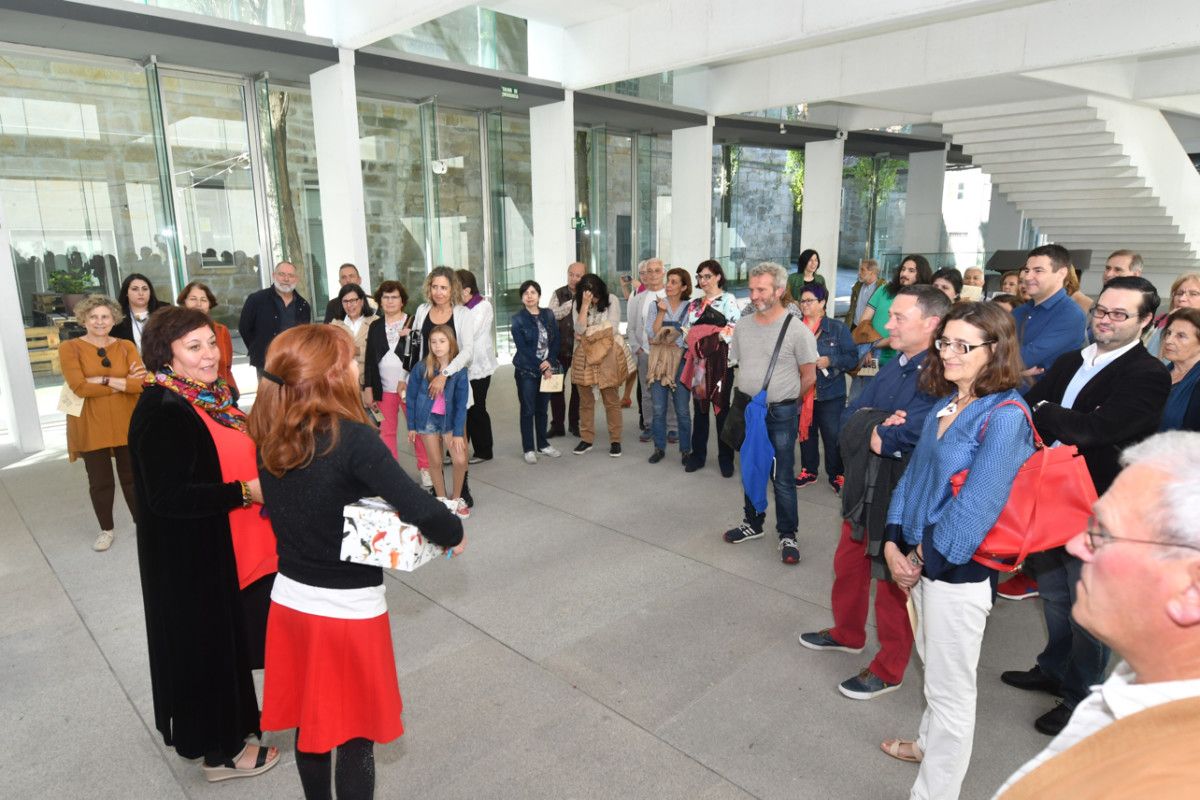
[[363, 22]]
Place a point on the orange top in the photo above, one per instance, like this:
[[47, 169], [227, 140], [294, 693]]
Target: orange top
[[106, 413], [253, 537], [225, 346]]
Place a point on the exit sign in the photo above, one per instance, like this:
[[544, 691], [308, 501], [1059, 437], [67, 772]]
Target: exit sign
[[509, 92]]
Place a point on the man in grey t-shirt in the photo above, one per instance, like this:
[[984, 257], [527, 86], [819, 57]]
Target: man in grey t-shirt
[[795, 373]]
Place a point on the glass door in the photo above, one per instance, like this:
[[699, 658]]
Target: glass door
[[213, 166]]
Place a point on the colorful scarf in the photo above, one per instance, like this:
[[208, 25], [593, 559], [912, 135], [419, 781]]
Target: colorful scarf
[[215, 400], [806, 403]]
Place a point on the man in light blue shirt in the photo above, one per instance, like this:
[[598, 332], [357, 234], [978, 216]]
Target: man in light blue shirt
[[1051, 323]]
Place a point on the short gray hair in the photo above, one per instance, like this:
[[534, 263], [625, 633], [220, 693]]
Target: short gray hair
[[778, 274], [1176, 454]]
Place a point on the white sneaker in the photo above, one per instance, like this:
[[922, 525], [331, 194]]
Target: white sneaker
[[530, 457], [549, 451], [103, 541], [426, 479]]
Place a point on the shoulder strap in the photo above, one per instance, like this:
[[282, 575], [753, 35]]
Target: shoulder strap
[[787, 320], [1037, 439]]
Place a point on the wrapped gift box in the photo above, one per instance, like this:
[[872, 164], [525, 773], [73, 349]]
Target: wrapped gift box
[[374, 534]]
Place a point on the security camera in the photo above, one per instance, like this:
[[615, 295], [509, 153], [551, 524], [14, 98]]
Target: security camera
[[439, 166], [841, 134]]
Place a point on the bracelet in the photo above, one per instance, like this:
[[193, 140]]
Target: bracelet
[[247, 500], [104, 381], [915, 559]]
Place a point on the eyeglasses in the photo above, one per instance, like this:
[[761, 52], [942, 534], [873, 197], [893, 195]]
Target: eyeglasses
[[1098, 536], [1100, 312], [104, 362], [958, 348], [703, 276], [351, 300], [809, 300], [1192, 293]]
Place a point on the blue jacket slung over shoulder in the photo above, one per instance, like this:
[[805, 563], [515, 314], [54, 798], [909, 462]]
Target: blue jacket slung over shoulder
[[524, 332], [420, 403], [835, 341], [952, 528]]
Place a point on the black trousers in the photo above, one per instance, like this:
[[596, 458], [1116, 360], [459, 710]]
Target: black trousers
[[102, 487], [479, 424], [559, 406]]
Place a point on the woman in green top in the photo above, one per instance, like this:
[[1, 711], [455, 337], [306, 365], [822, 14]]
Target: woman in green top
[[913, 269], [809, 262]]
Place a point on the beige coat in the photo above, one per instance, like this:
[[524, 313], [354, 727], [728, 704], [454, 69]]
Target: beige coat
[[599, 358]]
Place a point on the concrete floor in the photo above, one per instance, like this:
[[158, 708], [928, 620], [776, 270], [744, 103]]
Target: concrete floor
[[598, 639]]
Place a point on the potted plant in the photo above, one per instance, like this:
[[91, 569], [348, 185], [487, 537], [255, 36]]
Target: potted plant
[[73, 283]]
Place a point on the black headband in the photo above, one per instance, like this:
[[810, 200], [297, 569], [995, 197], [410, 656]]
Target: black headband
[[273, 378]]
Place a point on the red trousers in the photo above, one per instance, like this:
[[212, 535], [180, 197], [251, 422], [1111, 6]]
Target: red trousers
[[852, 593]]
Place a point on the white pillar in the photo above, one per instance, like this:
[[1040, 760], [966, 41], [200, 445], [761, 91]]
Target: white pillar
[[1005, 225], [923, 205], [16, 377], [823, 197], [552, 152], [339, 168], [691, 195]]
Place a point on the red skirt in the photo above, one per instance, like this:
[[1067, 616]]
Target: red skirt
[[335, 679]]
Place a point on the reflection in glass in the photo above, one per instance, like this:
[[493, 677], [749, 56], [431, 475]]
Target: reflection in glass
[[475, 36], [654, 198], [209, 142], [458, 192], [512, 218], [287, 15], [754, 209], [79, 188]]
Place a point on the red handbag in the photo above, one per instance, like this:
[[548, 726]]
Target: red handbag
[[1049, 504]]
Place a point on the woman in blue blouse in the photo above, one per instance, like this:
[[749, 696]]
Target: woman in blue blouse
[[710, 281], [974, 367], [536, 338]]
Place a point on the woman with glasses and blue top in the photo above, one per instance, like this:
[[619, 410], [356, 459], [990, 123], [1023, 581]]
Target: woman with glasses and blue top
[[536, 339], [981, 424], [670, 312]]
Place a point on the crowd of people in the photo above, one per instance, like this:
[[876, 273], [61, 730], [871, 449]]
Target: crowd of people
[[921, 382]]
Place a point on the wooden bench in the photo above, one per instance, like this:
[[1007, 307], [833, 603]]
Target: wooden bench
[[42, 344]]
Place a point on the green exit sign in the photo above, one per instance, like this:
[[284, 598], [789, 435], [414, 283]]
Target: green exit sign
[[509, 92]]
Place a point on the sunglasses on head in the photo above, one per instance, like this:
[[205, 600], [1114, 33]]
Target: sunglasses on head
[[104, 361]]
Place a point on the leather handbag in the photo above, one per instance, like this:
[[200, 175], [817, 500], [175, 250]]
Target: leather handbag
[[864, 333], [412, 349], [1049, 504]]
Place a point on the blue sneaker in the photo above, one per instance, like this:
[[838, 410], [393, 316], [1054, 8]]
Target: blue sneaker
[[866, 685], [821, 640]]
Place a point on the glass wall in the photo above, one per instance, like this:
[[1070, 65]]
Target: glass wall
[[755, 209], [391, 148], [609, 185], [457, 197], [287, 15], [475, 36], [509, 168], [79, 180], [208, 136], [654, 197], [874, 195]]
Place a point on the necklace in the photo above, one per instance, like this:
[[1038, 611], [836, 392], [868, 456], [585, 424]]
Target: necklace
[[953, 407]]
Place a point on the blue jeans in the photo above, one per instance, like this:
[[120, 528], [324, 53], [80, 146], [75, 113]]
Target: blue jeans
[[827, 418], [533, 411], [681, 399], [1072, 655], [782, 423]]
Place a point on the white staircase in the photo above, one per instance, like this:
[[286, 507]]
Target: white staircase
[[1091, 173]]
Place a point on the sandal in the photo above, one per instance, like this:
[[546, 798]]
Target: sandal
[[267, 758], [892, 748]]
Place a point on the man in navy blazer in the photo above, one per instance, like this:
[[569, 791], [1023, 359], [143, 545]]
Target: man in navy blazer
[[1101, 399], [271, 311]]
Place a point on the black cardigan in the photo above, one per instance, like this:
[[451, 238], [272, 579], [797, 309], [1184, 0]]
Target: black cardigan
[[306, 507], [1121, 405], [204, 698], [375, 350]]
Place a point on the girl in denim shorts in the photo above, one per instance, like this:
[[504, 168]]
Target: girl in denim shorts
[[437, 411]]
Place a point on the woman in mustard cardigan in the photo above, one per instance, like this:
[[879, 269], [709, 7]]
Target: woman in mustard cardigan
[[107, 373]]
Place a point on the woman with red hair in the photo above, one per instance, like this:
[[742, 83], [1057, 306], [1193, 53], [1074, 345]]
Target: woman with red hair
[[330, 669]]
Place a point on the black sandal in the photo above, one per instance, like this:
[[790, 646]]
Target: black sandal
[[229, 768]]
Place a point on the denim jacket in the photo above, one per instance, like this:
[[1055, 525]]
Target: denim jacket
[[834, 341], [420, 404], [524, 330]]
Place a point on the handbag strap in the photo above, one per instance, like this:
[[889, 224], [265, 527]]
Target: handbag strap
[[775, 353], [1037, 438]]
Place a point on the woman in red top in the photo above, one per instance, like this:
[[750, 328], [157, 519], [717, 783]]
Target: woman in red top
[[206, 553], [198, 296]]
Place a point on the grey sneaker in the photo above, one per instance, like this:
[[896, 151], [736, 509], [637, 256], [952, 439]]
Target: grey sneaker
[[103, 541], [866, 685], [550, 452], [821, 640], [530, 457]]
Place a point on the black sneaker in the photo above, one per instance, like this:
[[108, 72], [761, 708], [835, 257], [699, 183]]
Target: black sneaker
[[614, 449], [742, 533], [685, 458], [1033, 680], [691, 465], [657, 456], [726, 470], [554, 433], [1053, 721], [582, 448]]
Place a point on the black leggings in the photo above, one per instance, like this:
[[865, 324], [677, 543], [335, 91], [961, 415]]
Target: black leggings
[[355, 771], [102, 487]]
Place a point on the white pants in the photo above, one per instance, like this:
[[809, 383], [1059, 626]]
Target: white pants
[[950, 622]]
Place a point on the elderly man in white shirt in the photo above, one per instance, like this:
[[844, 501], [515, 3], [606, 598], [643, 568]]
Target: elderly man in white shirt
[[1139, 593]]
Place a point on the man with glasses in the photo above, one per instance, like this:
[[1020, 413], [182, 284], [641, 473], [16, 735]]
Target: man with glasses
[[271, 311], [1139, 593], [1101, 399]]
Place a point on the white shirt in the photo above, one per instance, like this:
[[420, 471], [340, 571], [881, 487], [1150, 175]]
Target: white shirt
[[635, 327], [1093, 362], [483, 362], [1116, 698]]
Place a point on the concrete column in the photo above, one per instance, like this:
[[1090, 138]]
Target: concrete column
[[923, 226], [16, 378], [691, 195], [822, 197], [552, 153], [339, 170], [1005, 225]]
